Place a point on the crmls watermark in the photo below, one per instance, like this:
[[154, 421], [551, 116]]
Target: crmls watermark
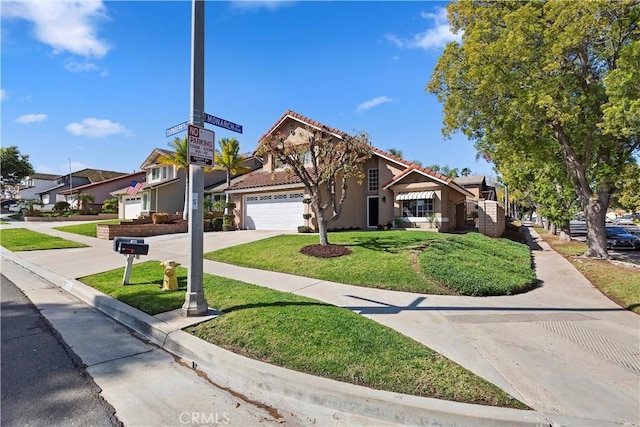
[[201, 418]]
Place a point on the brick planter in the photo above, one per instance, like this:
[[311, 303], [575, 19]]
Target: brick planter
[[109, 231]]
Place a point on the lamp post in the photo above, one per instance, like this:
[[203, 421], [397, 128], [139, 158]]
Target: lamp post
[[195, 303]]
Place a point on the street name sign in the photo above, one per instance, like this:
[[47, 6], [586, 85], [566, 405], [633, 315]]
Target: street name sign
[[177, 129], [226, 124], [200, 146]]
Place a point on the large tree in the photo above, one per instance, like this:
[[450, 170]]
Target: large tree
[[531, 74], [14, 166], [325, 163]]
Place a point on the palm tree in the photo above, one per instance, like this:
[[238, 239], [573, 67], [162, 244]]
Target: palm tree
[[83, 200], [395, 152], [466, 172], [179, 158], [229, 159]]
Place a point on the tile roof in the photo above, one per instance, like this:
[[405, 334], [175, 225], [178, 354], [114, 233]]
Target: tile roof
[[140, 176], [258, 179], [303, 119], [410, 167], [44, 176], [97, 175]]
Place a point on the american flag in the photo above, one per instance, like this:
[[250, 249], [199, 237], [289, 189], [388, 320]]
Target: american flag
[[133, 188]]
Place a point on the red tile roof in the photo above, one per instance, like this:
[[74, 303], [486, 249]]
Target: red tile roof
[[258, 179], [303, 119], [410, 167]]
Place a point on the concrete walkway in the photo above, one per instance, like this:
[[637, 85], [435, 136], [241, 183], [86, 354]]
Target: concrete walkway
[[562, 348]]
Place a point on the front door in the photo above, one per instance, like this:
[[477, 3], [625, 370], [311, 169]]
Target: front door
[[372, 211]]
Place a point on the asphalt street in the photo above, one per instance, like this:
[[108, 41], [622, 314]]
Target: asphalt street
[[579, 232], [43, 381]]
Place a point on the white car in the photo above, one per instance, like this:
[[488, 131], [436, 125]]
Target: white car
[[624, 220]]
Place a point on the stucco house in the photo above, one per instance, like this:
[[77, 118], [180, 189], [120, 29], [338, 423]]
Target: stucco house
[[165, 187], [31, 186], [101, 191], [393, 190], [49, 196]]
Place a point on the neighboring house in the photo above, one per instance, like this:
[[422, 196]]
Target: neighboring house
[[101, 191], [49, 196], [31, 186], [477, 185], [271, 198], [164, 189]]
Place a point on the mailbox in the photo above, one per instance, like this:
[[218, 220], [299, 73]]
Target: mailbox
[[119, 240], [133, 248], [130, 247]]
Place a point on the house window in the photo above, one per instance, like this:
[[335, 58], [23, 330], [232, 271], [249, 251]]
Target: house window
[[373, 180], [417, 208], [155, 174], [145, 202], [164, 172]]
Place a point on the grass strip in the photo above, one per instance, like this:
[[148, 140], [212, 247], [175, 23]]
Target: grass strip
[[308, 336], [89, 229], [22, 239]]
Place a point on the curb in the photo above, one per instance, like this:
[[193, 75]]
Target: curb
[[270, 384]]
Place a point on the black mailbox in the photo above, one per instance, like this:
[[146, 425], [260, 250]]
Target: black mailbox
[[133, 248], [119, 240]]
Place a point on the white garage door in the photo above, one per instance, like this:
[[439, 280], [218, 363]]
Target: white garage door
[[132, 207], [274, 211]]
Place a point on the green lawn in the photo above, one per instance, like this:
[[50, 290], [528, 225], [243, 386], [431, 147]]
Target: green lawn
[[413, 261], [89, 229], [21, 239], [307, 335]]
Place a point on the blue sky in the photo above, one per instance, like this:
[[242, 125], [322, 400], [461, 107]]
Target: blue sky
[[96, 84]]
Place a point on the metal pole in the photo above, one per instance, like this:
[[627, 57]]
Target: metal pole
[[195, 303]]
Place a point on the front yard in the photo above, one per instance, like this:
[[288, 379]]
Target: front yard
[[307, 335], [412, 261]]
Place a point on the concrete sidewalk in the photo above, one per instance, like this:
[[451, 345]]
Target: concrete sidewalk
[[563, 348]]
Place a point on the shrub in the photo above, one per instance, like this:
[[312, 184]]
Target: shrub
[[306, 216], [231, 206], [110, 205], [227, 222], [61, 206], [217, 224], [160, 218], [305, 229], [306, 201], [218, 206]]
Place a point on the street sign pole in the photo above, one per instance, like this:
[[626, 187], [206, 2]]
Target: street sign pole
[[195, 303]]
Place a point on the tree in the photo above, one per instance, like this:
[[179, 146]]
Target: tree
[[179, 158], [84, 200], [28, 206], [541, 74], [14, 167], [325, 163], [465, 172], [395, 152], [229, 159], [627, 195], [110, 205]]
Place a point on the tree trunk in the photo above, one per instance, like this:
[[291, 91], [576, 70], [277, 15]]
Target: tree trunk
[[565, 232], [553, 229], [322, 229], [226, 199], [596, 235]]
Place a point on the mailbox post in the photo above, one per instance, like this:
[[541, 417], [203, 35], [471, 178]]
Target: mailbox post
[[130, 247]]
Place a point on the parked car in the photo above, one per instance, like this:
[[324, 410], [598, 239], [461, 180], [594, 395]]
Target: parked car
[[621, 238], [624, 220]]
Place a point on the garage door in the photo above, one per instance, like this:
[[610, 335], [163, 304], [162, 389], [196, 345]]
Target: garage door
[[274, 211], [132, 207]]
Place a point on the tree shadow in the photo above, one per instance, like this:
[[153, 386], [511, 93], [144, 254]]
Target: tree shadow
[[275, 304]]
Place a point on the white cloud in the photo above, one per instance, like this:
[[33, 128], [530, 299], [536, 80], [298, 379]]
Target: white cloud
[[372, 103], [436, 36], [30, 118], [64, 25], [97, 128], [258, 4], [77, 67], [3, 95]]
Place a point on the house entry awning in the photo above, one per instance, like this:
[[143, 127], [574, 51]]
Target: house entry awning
[[416, 195]]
